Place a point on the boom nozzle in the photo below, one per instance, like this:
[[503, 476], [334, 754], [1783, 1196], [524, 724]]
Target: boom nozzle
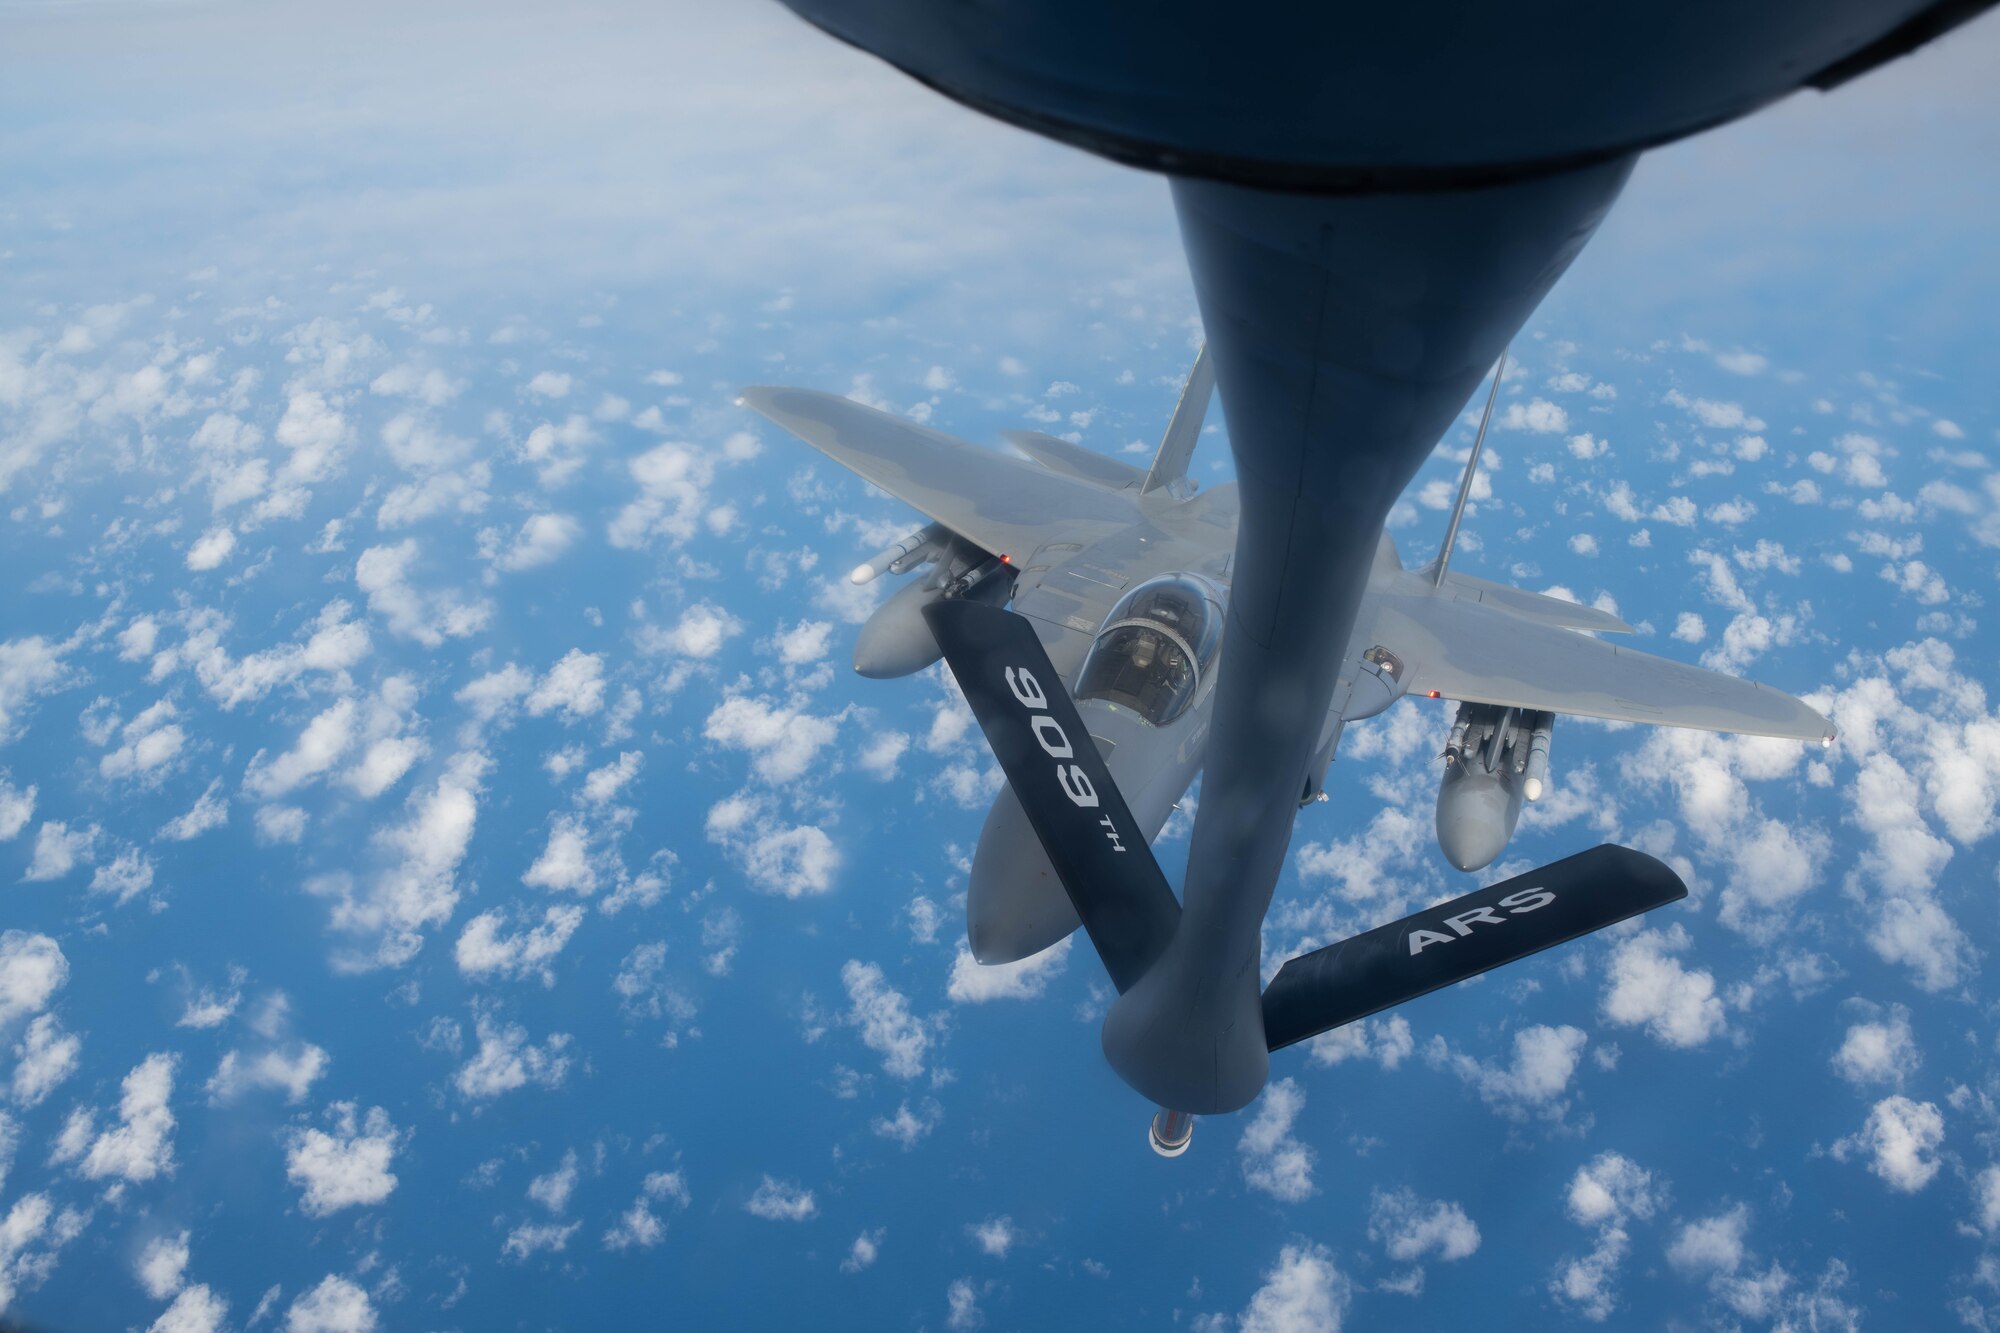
[[1170, 1132]]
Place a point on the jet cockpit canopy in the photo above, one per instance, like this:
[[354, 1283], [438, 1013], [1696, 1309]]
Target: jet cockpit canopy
[[1156, 648]]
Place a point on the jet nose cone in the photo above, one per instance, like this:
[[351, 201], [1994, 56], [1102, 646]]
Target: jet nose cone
[[1014, 904], [1469, 848]]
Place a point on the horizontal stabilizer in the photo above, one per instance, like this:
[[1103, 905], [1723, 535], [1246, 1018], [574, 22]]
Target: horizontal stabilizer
[[1095, 846], [1503, 923]]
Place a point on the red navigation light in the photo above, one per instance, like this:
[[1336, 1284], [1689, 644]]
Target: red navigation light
[[1435, 695], [1006, 559]]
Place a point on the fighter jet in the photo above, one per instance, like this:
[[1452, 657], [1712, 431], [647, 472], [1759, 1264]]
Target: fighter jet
[[1115, 582], [1373, 199]]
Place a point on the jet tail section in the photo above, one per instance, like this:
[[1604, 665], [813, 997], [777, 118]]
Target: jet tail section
[[1500, 924], [1170, 464], [1096, 847]]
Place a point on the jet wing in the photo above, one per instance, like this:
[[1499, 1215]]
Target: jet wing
[[1533, 605], [1478, 653], [1073, 460], [1003, 504]]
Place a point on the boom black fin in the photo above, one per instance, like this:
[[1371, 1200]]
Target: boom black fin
[[1095, 846], [1489, 928]]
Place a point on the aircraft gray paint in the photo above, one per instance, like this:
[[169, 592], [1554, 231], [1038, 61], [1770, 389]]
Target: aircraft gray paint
[[1373, 199]]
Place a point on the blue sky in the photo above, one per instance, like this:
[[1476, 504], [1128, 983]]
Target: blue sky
[[455, 881]]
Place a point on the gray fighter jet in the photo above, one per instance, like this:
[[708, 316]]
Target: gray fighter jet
[[1373, 199], [1123, 575]]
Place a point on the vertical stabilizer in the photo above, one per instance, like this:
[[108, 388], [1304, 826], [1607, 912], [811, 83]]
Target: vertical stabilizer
[[1471, 470], [1177, 446]]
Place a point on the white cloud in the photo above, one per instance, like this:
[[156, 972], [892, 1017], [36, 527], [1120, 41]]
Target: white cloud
[[1902, 1139], [781, 1201], [485, 949], [795, 861], [531, 1238], [140, 1146], [995, 1236], [496, 692], [601, 785], [962, 1312], [783, 740], [319, 747], [211, 549], [162, 1263], [314, 430], [550, 384], [574, 687], [1408, 1228], [883, 753], [382, 572], [1647, 985], [552, 1189], [1606, 1194], [1610, 1189], [418, 889], [1713, 414], [1387, 1041], [973, 982], [336, 1305], [149, 741], [507, 1060], [541, 540], [432, 387], [289, 1067], [565, 864], [908, 1128], [57, 850], [278, 824], [45, 1056], [17, 807], [1535, 1081], [1986, 1191], [196, 1309], [673, 482], [336, 644], [1539, 415], [1879, 1052], [882, 1013], [383, 764], [803, 643], [210, 811], [1274, 1161], [346, 1168], [1711, 1244], [700, 633], [557, 452], [639, 1226], [863, 1252], [1302, 1293], [32, 969]]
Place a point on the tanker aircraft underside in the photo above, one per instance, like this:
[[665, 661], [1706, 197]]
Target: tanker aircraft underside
[[1074, 595]]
